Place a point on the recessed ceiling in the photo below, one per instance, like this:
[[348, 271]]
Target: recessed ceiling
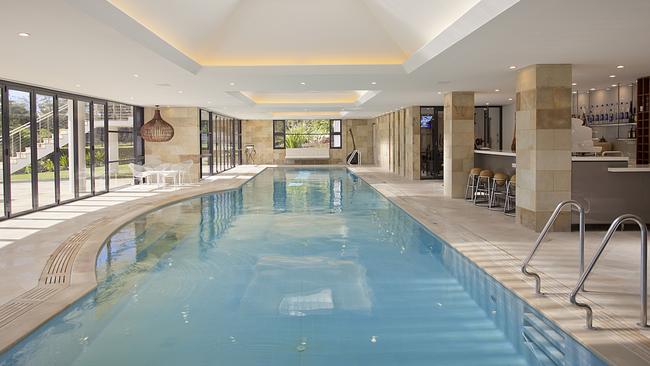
[[296, 32], [95, 45], [309, 97]]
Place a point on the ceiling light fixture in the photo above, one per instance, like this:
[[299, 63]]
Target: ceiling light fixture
[[575, 92], [593, 89], [374, 83], [157, 130], [24, 34], [512, 67], [136, 76], [439, 93], [614, 85], [77, 85], [232, 84], [510, 99], [497, 90], [620, 66], [612, 76], [574, 84], [487, 103], [180, 92], [303, 83]]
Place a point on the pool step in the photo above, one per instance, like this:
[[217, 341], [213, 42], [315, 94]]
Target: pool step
[[542, 337]]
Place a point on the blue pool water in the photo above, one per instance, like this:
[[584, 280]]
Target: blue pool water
[[299, 267]]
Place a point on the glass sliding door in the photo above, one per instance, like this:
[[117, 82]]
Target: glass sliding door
[[46, 150], [4, 208], [206, 144], [67, 147], [20, 150], [83, 157], [121, 145], [99, 147]]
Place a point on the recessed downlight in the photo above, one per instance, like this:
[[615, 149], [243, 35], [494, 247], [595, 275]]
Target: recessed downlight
[[574, 84], [510, 99], [614, 85], [512, 67], [497, 90], [575, 92], [439, 93], [232, 83], [77, 85], [612, 76], [592, 89], [303, 83], [24, 34], [180, 92], [374, 83], [620, 66], [136, 76], [487, 103]]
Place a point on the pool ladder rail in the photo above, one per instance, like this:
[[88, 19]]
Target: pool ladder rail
[[542, 235], [644, 268], [584, 273]]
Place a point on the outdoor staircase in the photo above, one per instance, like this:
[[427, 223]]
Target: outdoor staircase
[[545, 344], [20, 152]]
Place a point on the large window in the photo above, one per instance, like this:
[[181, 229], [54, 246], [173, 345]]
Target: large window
[[54, 147], [124, 144], [307, 133], [220, 141]]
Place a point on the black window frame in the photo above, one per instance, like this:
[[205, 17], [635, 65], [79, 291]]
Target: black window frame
[[333, 133], [283, 134]]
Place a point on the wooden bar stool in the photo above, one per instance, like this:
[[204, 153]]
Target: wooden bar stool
[[498, 190], [471, 183], [510, 203], [482, 189]]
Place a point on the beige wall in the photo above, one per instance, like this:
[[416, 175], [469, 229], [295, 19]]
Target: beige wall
[[185, 143], [260, 134], [397, 142]]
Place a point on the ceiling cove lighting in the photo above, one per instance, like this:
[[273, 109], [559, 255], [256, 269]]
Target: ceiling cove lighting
[[24, 34]]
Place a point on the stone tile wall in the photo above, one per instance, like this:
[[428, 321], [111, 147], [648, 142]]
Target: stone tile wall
[[543, 144], [458, 142], [185, 143]]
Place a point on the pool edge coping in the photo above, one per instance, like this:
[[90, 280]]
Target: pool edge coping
[[82, 273], [542, 304]]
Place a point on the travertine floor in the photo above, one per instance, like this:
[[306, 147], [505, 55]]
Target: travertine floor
[[499, 245]]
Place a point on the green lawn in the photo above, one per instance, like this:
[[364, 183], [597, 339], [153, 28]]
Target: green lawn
[[123, 172]]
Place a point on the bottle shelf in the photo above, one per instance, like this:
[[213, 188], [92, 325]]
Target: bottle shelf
[[611, 124]]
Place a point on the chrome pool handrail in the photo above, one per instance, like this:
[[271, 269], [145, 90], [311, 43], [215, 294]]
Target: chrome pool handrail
[[545, 231], [644, 268]]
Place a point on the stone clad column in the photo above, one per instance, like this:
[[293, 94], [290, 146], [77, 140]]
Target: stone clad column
[[458, 142], [543, 144]]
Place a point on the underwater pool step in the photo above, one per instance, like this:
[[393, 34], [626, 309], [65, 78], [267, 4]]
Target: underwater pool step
[[545, 329], [536, 339]]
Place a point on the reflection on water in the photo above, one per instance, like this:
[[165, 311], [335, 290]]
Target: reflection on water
[[299, 267]]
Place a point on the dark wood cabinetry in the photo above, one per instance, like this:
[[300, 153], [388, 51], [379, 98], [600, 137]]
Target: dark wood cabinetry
[[643, 106]]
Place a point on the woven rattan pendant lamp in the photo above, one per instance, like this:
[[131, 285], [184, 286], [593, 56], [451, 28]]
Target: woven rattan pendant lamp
[[157, 130]]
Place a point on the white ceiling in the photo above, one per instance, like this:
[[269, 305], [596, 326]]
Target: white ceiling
[[403, 52]]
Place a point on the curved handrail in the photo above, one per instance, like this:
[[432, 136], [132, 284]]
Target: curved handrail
[[644, 268], [545, 231]]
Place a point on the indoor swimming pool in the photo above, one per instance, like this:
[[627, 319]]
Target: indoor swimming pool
[[298, 267]]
